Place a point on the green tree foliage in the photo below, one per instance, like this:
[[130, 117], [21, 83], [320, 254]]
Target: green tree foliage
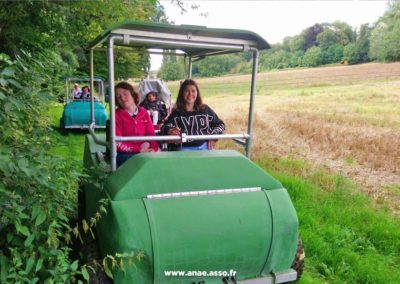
[[357, 52], [327, 38], [215, 65], [333, 54], [34, 25], [309, 36], [132, 64], [172, 68], [276, 59], [363, 43], [313, 57], [293, 44], [385, 36], [333, 39], [345, 32], [128, 63], [69, 26]]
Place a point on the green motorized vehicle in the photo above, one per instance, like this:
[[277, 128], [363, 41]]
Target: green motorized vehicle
[[77, 112], [194, 217]]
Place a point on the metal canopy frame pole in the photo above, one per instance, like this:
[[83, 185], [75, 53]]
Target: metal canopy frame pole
[[190, 67], [185, 66], [112, 142], [91, 87], [67, 95], [251, 104], [102, 92]]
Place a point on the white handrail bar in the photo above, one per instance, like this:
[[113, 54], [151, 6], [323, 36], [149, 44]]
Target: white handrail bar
[[182, 137]]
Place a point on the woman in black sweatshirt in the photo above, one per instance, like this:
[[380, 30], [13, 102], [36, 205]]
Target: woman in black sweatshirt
[[192, 117]]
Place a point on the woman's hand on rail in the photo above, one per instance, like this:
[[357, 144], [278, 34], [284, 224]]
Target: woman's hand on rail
[[211, 144], [143, 150], [174, 131]]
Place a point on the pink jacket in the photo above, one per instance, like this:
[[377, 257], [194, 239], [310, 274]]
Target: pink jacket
[[140, 125]]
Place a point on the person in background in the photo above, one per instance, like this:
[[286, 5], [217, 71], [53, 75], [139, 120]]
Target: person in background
[[155, 107], [131, 120], [192, 117], [85, 93], [77, 92]]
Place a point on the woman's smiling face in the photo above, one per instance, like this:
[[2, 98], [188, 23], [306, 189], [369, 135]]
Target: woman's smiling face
[[190, 95]]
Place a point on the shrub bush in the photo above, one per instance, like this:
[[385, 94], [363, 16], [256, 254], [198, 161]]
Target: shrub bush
[[37, 190]]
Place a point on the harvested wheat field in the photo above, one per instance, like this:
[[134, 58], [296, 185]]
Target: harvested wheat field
[[343, 118]]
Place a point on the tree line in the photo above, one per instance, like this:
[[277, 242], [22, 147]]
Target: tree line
[[320, 44]]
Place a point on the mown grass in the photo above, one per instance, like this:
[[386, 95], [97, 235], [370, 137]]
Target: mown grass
[[347, 238], [70, 146], [214, 88]]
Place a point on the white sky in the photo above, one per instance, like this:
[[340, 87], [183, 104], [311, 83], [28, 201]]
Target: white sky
[[273, 19]]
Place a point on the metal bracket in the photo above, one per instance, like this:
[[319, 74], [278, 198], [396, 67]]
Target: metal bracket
[[284, 276], [183, 137], [126, 39]]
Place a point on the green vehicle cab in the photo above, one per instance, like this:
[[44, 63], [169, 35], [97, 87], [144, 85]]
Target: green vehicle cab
[[187, 217], [79, 111]]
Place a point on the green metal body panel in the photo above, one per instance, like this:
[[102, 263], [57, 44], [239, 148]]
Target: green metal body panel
[[207, 233], [254, 233], [77, 114]]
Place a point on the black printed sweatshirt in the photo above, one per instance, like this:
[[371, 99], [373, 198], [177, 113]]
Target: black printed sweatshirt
[[203, 122]]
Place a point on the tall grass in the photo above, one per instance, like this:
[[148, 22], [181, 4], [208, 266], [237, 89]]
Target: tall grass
[[346, 237]]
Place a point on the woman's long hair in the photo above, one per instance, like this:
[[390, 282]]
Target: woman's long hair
[[180, 100]]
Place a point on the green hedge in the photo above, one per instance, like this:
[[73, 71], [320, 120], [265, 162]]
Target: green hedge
[[37, 190]]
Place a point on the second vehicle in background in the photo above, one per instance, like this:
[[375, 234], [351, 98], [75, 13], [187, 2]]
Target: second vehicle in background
[[77, 112]]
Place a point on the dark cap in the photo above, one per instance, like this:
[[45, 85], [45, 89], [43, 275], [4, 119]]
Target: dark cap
[[151, 92]]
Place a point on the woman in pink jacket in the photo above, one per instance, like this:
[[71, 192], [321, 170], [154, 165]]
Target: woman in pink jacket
[[131, 120]]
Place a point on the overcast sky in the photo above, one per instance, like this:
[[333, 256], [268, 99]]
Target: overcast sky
[[273, 20]]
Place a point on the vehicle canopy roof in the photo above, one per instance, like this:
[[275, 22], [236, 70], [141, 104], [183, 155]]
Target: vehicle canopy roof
[[83, 78], [195, 41]]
